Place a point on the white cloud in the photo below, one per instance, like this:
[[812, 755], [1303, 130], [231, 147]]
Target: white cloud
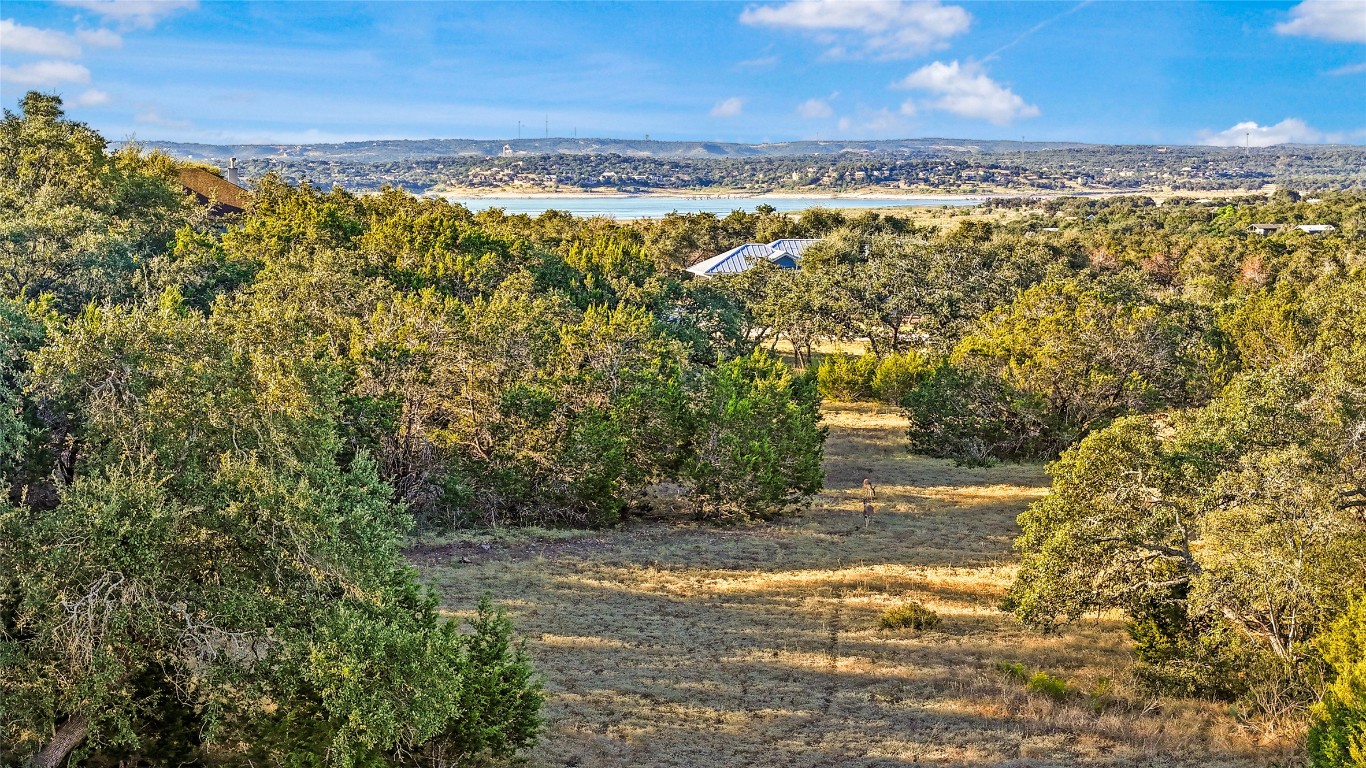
[[53, 72], [966, 91], [133, 13], [908, 108], [100, 38], [885, 29], [90, 98], [45, 74], [1291, 130], [813, 109], [731, 107], [18, 38], [1350, 69], [1339, 20]]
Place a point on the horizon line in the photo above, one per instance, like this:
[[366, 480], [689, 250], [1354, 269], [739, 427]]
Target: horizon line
[[511, 141]]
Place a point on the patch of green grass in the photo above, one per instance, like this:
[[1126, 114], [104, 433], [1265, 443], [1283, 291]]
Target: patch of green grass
[[1049, 686], [1013, 670], [911, 615], [1099, 696]]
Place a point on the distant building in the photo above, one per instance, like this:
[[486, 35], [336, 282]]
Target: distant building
[[507, 150], [786, 253], [1313, 229], [227, 195]]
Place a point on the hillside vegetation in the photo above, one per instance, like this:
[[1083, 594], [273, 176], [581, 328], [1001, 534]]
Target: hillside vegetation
[[214, 433], [224, 441]]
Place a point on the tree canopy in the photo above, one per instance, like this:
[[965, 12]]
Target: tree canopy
[[214, 435]]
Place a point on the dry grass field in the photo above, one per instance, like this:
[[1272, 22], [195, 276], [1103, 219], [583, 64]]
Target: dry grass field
[[691, 647]]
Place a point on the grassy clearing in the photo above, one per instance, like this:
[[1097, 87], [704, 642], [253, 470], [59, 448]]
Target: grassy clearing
[[694, 646]]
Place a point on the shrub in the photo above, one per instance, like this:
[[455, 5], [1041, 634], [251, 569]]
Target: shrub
[[758, 446], [956, 414], [1047, 685], [1013, 670], [1177, 655], [912, 615], [898, 374], [1055, 688], [1337, 735], [500, 695], [1099, 695], [845, 377]]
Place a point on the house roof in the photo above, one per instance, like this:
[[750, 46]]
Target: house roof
[[784, 252], [737, 259], [794, 245], [206, 186]]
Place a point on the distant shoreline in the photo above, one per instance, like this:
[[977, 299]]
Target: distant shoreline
[[862, 194], [868, 193]]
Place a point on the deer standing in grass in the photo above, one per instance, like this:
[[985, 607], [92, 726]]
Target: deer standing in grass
[[869, 493]]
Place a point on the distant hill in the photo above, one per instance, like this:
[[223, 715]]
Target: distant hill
[[415, 149], [959, 166]]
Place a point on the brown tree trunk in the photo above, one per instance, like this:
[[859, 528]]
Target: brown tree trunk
[[67, 738]]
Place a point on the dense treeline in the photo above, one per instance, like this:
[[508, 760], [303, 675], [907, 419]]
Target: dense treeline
[[213, 434], [1201, 392]]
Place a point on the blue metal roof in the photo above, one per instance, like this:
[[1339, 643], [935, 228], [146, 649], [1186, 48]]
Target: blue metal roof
[[785, 253], [794, 245], [737, 259]]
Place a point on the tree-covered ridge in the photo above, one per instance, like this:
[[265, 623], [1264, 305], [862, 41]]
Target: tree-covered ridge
[[213, 434], [814, 167]]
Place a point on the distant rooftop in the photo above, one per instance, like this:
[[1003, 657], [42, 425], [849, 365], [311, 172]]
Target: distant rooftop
[[206, 186]]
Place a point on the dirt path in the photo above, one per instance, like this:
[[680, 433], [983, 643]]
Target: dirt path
[[697, 647]]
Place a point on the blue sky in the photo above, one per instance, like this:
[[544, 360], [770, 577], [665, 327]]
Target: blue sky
[[1112, 72]]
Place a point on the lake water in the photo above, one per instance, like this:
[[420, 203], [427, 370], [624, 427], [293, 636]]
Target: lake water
[[656, 206]]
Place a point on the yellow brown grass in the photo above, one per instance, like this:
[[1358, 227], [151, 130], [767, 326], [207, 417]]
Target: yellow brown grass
[[691, 646]]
